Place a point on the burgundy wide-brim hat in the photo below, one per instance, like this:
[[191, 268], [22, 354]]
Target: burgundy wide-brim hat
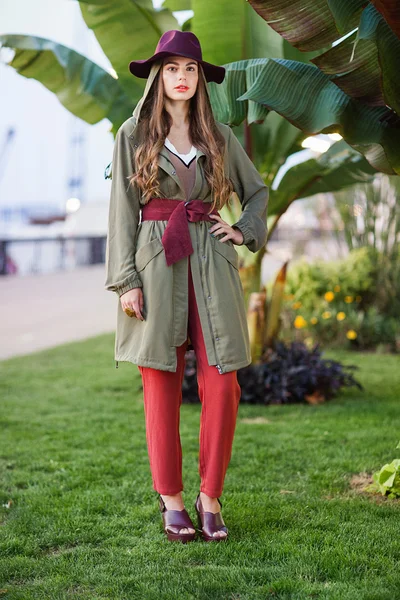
[[180, 43]]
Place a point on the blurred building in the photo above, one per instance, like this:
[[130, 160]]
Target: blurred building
[[51, 155]]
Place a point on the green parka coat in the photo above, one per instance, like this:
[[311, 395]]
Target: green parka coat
[[135, 258]]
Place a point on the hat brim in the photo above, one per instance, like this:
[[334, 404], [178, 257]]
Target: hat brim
[[141, 68]]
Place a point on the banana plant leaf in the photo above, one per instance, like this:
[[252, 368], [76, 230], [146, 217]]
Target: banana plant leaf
[[339, 167], [244, 35], [273, 141], [310, 101], [220, 28], [357, 75], [127, 30], [310, 24], [175, 5], [82, 86], [367, 65], [274, 307], [390, 10]]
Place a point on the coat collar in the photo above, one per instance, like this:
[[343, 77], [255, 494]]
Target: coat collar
[[163, 152], [163, 157], [164, 162], [167, 166]]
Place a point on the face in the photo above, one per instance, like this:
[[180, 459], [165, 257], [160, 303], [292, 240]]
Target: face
[[178, 71]]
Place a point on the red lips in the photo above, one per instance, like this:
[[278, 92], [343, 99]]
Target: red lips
[[181, 87]]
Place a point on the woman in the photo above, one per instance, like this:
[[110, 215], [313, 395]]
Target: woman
[[171, 260]]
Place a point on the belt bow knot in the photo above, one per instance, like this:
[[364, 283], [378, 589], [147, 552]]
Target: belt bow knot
[[176, 237]]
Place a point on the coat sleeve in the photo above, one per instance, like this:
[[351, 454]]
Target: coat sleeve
[[123, 220], [253, 194]]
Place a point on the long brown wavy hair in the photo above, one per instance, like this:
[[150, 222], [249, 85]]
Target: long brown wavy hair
[[153, 127]]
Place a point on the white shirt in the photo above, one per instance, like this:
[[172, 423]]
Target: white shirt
[[187, 158]]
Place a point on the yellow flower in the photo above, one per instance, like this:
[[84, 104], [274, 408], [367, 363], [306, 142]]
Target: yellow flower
[[308, 342], [340, 316], [313, 320], [296, 305], [326, 314], [336, 288], [300, 322], [358, 298], [329, 296], [351, 334], [348, 299]]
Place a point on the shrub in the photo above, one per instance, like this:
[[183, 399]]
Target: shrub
[[340, 304], [285, 374]]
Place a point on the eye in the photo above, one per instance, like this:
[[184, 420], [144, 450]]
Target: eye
[[191, 68]]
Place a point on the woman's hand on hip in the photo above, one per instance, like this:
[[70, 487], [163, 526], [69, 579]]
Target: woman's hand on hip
[[132, 300], [222, 226]]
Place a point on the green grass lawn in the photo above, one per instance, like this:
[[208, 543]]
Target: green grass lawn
[[84, 521]]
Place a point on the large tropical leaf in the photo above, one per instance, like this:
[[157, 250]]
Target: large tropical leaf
[[355, 72], [367, 65], [82, 86], [244, 34], [390, 9], [273, 141], [220, 27], [310, 24], [254, 35], [127, 30], [339, 167], [310, 101], [266, 140], [175, 5]]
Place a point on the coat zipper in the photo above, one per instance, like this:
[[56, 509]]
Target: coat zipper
[[218, 366]]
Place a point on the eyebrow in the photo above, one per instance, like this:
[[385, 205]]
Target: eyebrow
[[173, 62]]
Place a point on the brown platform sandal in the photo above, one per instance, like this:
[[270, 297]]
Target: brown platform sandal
[[173, 521], [210, 522]]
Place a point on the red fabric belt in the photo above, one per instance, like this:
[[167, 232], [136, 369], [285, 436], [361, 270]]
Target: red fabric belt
[[176, 237]]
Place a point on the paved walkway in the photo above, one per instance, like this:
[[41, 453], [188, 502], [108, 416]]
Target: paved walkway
[[43, 311]]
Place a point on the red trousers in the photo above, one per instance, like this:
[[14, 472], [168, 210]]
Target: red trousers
[[219, 396]]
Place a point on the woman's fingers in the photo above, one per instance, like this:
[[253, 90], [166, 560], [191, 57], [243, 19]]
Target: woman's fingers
[[141, 302], [230, 233], [139, 305], [139, 308], [218, 222], [221, 229], [134, 302]]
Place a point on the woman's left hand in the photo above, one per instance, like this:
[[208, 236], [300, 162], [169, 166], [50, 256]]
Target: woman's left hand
[[222, 227]]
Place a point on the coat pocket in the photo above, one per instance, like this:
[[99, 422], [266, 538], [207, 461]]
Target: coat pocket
[[147, 252], [227, 252]]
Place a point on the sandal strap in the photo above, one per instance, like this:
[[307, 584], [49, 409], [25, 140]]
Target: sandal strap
[[210, 522], [175, 520]]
